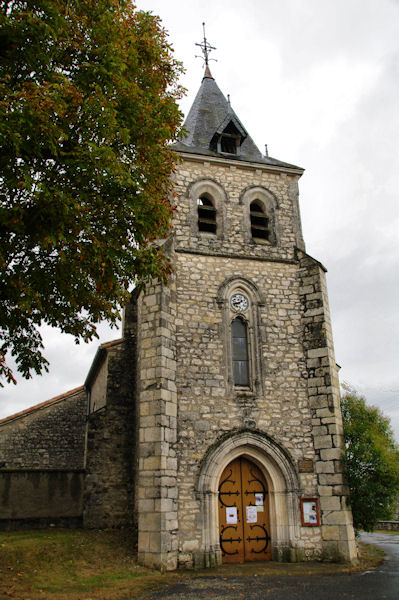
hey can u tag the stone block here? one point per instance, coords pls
(330, 503)
(190, 545)
(346, 533)
(348, 550)
(323, 412)
(152, 434)
(331, 454)
(319, 431)
(325, 467)
(317, 352)
(143, 542)
(313, 363)
(171, 409)
(322, 441)
(330, 532)
(330, 478)
(150, 522)
(317, 382)
(317, 401)
(337, 517)
(338, 441)
(324, 490)
(170, 435)
(330, 419)
(152, 463)
(165, 505)
(146, 505)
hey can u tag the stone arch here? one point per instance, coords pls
(256, 331)
(212, 190)
(283, 484)
(253, 192)
(268, 200)
(239, 280)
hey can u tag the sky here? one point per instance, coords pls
(318, 82)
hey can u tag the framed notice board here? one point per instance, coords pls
(310, 514)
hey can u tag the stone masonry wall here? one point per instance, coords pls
(281, 406)
(208, 407)
(109, 498)
(156, 482)
(234, 237)
(50, 436)
(324, 401)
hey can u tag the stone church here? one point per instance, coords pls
(213, 426)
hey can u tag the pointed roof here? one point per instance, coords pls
(209, 116)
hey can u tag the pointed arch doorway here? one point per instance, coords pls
(244, 523)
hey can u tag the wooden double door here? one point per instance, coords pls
(244, 527)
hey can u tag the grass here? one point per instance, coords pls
(69, 564)
(59, 564)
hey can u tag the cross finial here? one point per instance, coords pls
(206, 48)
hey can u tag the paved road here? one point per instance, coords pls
(379, 584)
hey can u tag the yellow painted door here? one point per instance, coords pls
(244, 528)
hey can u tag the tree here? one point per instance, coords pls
(88, 92)
(371, 461)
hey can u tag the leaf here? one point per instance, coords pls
(88, 108)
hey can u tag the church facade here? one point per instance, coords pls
(213, 426)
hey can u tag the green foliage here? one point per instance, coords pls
(87, 112)
(371, 461)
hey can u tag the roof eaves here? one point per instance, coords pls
(267, 161)
(42, 405)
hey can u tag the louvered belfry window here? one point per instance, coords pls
(259, 222)
(239, 340)
(206, 215)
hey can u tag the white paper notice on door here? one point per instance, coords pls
(231, 515)
(252, 514)
(258, 499)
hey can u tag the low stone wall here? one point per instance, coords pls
(39, 498)
(389, 525)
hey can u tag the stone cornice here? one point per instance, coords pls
(241, 164)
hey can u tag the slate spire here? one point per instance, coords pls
(210, 118)
(212, 127)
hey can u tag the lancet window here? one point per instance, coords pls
(240, 302)
(240, 355)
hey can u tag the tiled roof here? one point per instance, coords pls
(45, 404)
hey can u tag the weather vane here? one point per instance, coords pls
(206, 49)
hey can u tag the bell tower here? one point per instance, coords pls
(236, 375)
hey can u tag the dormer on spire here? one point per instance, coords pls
(229, 136)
